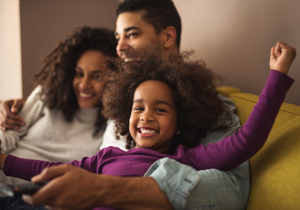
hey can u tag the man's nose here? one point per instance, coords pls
(122, 46)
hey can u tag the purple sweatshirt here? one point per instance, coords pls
(223, 155)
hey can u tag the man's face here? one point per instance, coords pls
(133, 31)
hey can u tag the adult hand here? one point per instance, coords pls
(282, 56)
(8, 118)
(77, 189)
(70, 188)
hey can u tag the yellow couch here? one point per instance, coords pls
(275, 169)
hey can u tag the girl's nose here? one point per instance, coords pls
(147, 117)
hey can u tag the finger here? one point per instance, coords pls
(8, 124)
(278, 49)
(49, 173)
(6, 127)
(17, 104)
(272, 53)
(6, 114)
(52, 208)
(47, 195)
(5, 120)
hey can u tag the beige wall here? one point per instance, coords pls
(234, 37)
(44, 23)
(10, 50)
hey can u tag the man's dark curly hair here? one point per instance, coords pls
(159, 13)
(58, 70)
(197, 101)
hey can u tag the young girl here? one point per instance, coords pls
(62, 115)
(164, 108)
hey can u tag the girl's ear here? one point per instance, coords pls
(169, 37)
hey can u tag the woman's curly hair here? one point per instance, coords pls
(58, 70)
(197, 101)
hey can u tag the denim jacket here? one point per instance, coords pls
(187, 188)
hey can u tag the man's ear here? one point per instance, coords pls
(169, 37)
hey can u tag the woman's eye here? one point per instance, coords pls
(78, 74)
(96, 77)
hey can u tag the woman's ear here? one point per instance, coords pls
(169, 37)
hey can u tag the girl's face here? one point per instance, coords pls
(153, 120)
(87, 88)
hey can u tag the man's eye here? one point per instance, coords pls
(138, 109)
(132, 34)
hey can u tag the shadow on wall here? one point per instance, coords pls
(234, 38)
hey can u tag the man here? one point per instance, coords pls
(168, 184)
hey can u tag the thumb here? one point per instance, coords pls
(50, 173)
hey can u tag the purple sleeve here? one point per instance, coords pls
(235, 149)
(27, 168)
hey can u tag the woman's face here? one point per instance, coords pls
(87, 87)
(153, 120)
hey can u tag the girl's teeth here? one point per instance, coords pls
(148, 131)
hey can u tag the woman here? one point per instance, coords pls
(62, 114)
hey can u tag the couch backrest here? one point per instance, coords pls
(275, 169)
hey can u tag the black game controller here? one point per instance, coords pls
(24, 188)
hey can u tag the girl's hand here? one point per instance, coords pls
(282, 56)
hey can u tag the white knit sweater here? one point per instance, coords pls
(48, 136)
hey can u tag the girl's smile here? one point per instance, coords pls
(153, 120)
(147, 132)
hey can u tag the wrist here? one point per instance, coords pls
(131, 193)
(2, 160)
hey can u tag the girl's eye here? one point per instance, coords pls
(138, 109)
(160, 110)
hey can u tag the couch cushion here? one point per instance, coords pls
(275, 171)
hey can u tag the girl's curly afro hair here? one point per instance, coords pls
(197, 101)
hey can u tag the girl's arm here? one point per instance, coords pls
(235, 149)
(27, 168)
(31, 112)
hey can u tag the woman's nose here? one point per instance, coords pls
(85, 83)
